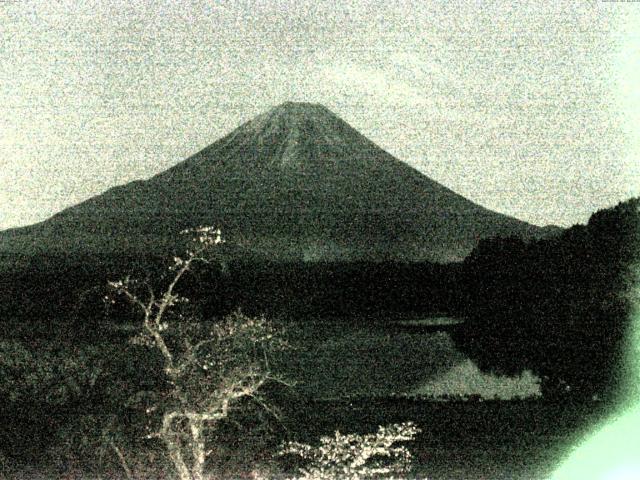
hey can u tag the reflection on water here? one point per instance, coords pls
(431, 322)
(415, 357)
(466, 379)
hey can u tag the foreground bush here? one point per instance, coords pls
(356, 457)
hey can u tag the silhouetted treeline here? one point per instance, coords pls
(558, 306)
(333, 289)
(63, 288)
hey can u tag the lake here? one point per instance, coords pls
(342, 359)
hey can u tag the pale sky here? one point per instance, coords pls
(529, 108)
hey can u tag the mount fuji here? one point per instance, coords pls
(296, 183)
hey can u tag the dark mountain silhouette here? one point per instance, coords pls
(295, 183)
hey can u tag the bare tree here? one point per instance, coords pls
(208, 367)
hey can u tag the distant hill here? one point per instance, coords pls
(295, 183)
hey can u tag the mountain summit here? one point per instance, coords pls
(304, 131)
(294, 183)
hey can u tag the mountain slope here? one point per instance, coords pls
(296, 182)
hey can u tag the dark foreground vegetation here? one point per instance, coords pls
(558, 306)
(520, 439)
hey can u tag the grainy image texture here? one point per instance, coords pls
(319, 240)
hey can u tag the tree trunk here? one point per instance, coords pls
(172, 442)
(178, 461)
(198, 449)
(123, 461)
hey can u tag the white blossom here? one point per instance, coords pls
(351, 456)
